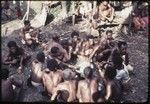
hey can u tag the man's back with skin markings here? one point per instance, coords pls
(70, 86)
(86, 90)
(52, 79)
(36, 71)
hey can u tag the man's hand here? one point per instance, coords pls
(20, 69)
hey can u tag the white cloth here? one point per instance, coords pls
(123, 74)
(82, 63)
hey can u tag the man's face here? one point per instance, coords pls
(109, 35)
(12, 49)
(91, 41)
(105, 3)
(75, 38)
(123, 49)
(28, 25)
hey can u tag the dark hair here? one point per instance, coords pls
(54, 50)
(74, 33)
(89, 37)
(88, 72)
(62, 95)
(52, 64)
(108, 31)
(110, 72)
(5, 73)
(26, 22)
(11, 44)
(40, 57)
(121, 43)
(68, 74)
(55, 38)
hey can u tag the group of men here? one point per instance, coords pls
(94, 69)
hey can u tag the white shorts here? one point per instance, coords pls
(123, 75)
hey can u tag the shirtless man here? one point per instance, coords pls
(54, 41)
(26, 35)
(113, 86)
(52, 76)
(8, 84)
(60, 55)
(35, 78)
(54, 50)
(87, 87)
(107, 40)
(69, 85)
(16, 56)
(106, 11)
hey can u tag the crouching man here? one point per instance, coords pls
(16, 56)
(8, 86)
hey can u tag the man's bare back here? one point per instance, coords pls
(37, 71)
(69, 86)
(86, 89)
(51, 80)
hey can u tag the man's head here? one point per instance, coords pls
(62, 95)
(52, 64)
(56, 38)
(27, 23)
(69, 74)
(75, 35)
(88, 72)
(90, 39)
(110, 72)
(5, 73)
(105, 3)
(65, 43)
(12, 46)
(55, 51)
(109, 34)
(40, 57)
(122, 46)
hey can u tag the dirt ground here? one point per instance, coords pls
(137, 48)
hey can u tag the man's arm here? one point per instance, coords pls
(55, 93)
(78, 91)
(15, 82)
(108, 91)
(126, 59)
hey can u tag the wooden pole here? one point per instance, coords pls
(28, 6)
(73, 9)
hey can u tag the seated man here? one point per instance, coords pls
(35, 78)
(52, 76)
(121, 53)
(113, 87)
(6, 9)
(106, 11)
(16, 56)
(87, 87)
(8, 85)
(69, 85)
(28, 35)
(107, 40)
(60, 55)
(62, 96)
(54, 42)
